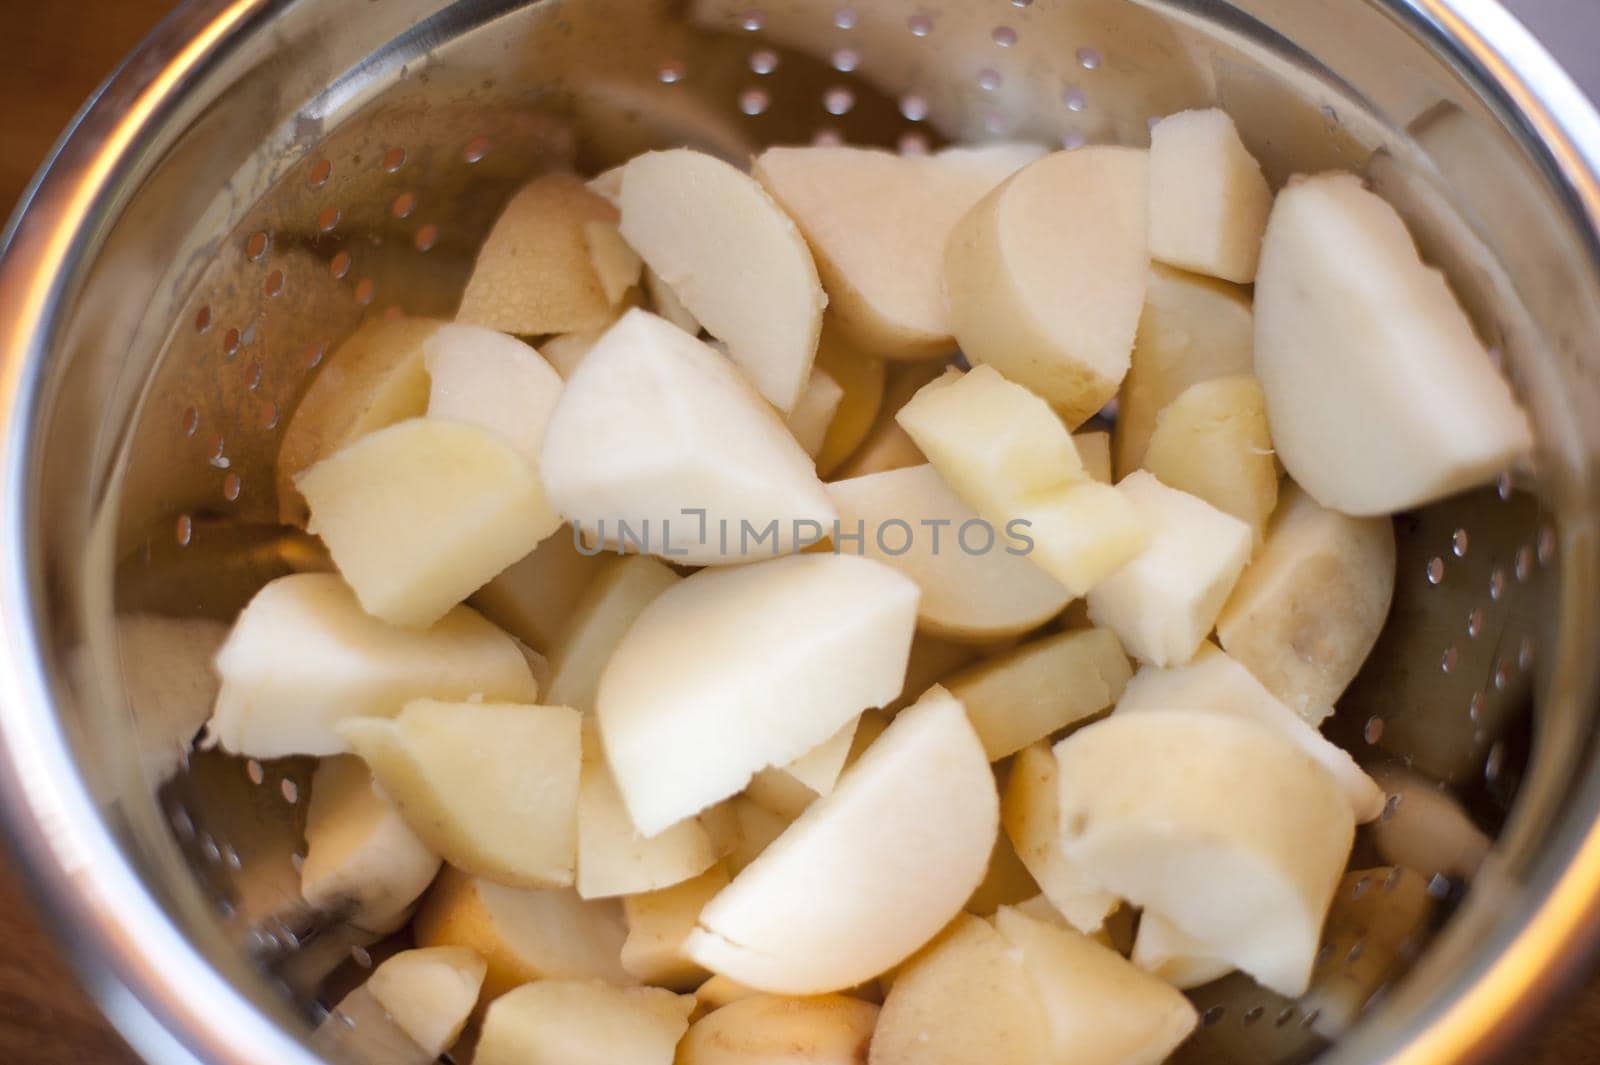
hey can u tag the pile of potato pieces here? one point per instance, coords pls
(820, 798)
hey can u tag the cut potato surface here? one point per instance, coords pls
(601, 617)
(877, 224)
(788, 790)
(615, 264)
(931, 661)
(659, 444)
(420, 515)
(534, 273)
(493, 788)
(659, 923)
(742, 828)
(1380, 394)
(666, 303)
(583, 1022)
(1164, 951)
(731, 671)
(1031, 815)
(1045, 278)
(532, 599)
(565, 353)
(493, 381)
(868, 874)
(429, 993)
(1081, 534)
(303, 656)
(524, 934)
(735, 261)
(1308, 611)
(1007, 881)
(1213, 443)
(1208, 199)
(361, 858)
(814, 410)
(769, 1030)
(861, 379)
(887, 446)
(1165, 601)
(1218, 824)
(1094, 451)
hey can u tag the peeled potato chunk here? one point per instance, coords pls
(1165, 601)
(1030, 812)
(869, 873)
(1213, 443)
(886, 445)
(973, 588)
(742, 828)
(377, 377)
(1099, 1009)
(877, 224)
(565, 353)
(534, 274)
(861, 378)
(658, 438)
(769, 1030)
(788, 790)
(429, 993)
(422, 514)
(304, 655)
(494, 381)
(1007, 881)
(735, 261)
(1218, 824)
(1081, 534)
(1161, 949)
(665, 302)
(966, 1000)
(1307, 612)
(1380, 394)
(1208, 199)
(361, 859)
(1045, 278)
(493, 788)
(615, 264)
(814, 411)
(1094, 451)
(532, 599)
(583, 1022)
(1214, 682)
(731, 671)
(599, 619)
(524, 934)
(1192, 329)
(659, 922)
(1045, 685)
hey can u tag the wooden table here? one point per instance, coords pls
(66, 47)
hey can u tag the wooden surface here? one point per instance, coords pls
(59, 51)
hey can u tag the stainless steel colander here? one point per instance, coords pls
(265, 174)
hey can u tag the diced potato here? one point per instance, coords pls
(862, 377)
(493, 381)
(789, 789)
(964, 1000)
(665, 302)
(524, 934)
(1163, 950)
(377, 377)
(1213, 443)
(612, 602)
(653, 422)
(768, 1030)
(303, 656)
(1380, 918)
(1094, 451)
(361, 859)
(1165, 601)
(1099, 1009)
(582, 1022)
(1218, 824)
(1192, 329)
(534, 274)
(613, 859)
(658, 924)
(973, 587)
(1006, 883)
(491, 787)
(886, 445)
(1218, 684)
(1424, 828)
(734, 259)
(615, 264)
(1208, 199)
(814, 410)
(534, 598)
(1307, 612)
(1080, 535)
(776, 790)
(1031, 815)
(422, 514)
(733, 670)
(868, 874)
(877, 224)
(1045, 278)
(1351, 329)
(429, 993)
(1041, 687)
(742, 828)
(565, 353)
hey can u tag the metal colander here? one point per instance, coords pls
(264, 175)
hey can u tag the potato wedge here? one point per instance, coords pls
(616, 265)
(429, 992)
(492, 381)
(1163, 950)
(658, 924)
(1213, 443)
(582, 1022)
(814, 410)
(769, 1030)
(599, 619)
(1208, 199)
(1030, 813)
(665, 302)
(861, 377)
(887, 446)
(1094, 451)
(1006, 883)
(533, 599)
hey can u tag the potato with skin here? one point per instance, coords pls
(770, 1030)
(1351, 327)
(429, 992)
(861, 378)
(1030, 814)
(491, 787)
(534, 273)
(658, 924)
(303, 656)
(1208, 199)
(734, 259)
(361, 858)
(582, 1022)
(493, 381)
(868, 874)
(1307, 612)
(420, 515)
(597, 623)
(532, 599)
(1045, 278)
(719, 991)
(1213, 443)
